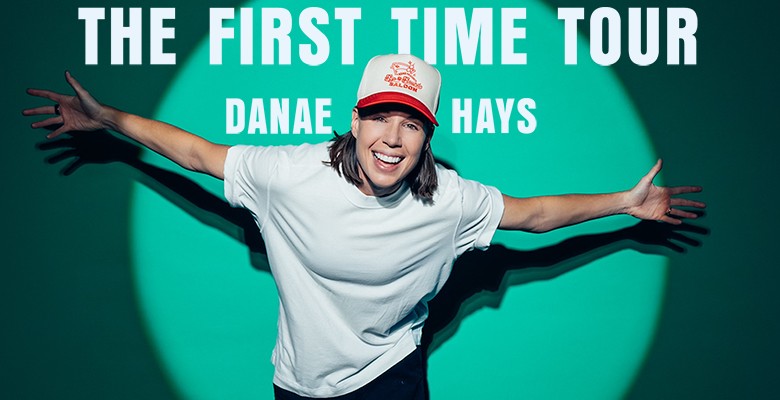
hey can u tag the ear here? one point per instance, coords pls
(355, 122)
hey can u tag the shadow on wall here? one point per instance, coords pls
(479, 278)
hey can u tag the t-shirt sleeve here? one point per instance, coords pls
(248, 173)
(482, 209)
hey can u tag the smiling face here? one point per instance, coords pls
(389, 144)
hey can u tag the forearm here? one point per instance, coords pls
(545, 213)
(185, 149)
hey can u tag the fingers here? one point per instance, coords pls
(669, 220)
(46, 94)
(674, 214)
(687, 203)
(39, 110)
(654, 171)
(75, 84)
(682, 213)
(684, 189)
(47, 122)
(53, 96)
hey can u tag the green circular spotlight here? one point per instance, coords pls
(212, 315)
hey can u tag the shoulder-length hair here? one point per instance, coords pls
(422, 179)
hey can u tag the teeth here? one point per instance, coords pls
(387, 159)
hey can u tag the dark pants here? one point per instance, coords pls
(403, 381)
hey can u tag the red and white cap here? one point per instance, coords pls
(404, 79)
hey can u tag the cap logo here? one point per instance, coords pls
(403, 76)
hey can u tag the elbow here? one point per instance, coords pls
(193, 159)
(530, 226)
(526, 215)
(207, 158)
(539, 223)
(539, 228)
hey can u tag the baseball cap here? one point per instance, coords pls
(404, 79)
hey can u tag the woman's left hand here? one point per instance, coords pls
(651, 202)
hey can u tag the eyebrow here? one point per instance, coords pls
(417, 121)
(414, 118)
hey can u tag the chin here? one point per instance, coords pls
(384, 187)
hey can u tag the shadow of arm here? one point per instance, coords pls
(481, 279)
(101, 147)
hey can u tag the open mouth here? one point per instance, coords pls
(386, 159)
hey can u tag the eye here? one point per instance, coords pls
(379, 118)
(413, 126)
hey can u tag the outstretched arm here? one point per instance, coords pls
(645, 201)
(83, 113)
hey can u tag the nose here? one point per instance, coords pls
(392, 136)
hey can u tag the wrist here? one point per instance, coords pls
(626, 202)
(111, 118)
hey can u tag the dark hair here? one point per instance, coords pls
(422, 179)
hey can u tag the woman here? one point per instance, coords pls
(361, 232)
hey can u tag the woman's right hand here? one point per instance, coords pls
(83, 113)
(72, 113)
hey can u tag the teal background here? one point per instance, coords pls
(71, 324)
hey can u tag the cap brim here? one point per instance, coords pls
(401, 98)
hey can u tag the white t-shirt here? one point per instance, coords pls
(354, 272)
